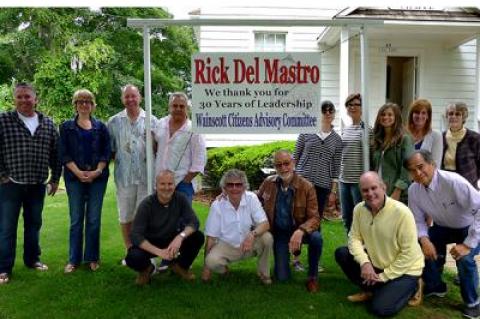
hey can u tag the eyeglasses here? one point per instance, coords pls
(83, 102)
(234, 185)
(283, 164)
(353, 104)
(325, 111)
(452, 113)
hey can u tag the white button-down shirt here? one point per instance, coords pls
(451, 201)
(182, 153)
(129, 145)
(230, 225)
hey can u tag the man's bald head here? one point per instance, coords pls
(372, 188)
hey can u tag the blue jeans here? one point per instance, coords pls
(186, 189)
(85, 201)
(467, 268)
(12, 198)
(349, 197)
(282, 255)
(389, 297)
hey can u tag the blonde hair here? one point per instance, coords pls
(83, 93)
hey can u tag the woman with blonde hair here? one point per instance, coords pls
(390, 147)
(85, 153)
(420, 128)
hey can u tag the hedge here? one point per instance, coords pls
(246, 158)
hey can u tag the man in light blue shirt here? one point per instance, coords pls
(454, 206)
(127, 131)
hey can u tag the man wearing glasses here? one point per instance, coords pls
(291, 205)
(236, 229)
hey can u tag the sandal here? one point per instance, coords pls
(4, 278)
(94, 266)
(69, 268)
(39, 266)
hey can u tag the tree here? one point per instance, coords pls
(65, 49)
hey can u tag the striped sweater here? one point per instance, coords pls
(352, 155)
(318, 160)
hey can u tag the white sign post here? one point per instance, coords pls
(256, 92)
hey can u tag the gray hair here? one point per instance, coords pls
(458, 106)
(234, 173)
(165, 172)
(179, 94)
(425, 154)
(24, 85)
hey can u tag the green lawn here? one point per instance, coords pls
(111, 292)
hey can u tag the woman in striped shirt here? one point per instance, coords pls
(318, 157)
(352, 159)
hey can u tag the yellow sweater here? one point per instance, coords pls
(388, 240)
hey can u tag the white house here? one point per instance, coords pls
(428, 53)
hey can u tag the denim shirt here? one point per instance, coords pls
(72, 148)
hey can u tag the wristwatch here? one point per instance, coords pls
(183, 235)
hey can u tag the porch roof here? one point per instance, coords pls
(451, 27)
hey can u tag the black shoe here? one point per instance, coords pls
(472, 312)
(439, 291)
(456, 281)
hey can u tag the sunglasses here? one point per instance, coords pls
(83, 102)
(234, 185)
(283, 164)
(451, 113)
(331, 111)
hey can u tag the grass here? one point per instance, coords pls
(111, 292)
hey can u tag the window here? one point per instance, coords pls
(270, 42)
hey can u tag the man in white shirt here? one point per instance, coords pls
(178, 148)
(237, 228)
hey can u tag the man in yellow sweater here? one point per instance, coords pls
(383, 256)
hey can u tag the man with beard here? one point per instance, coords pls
(290, 203)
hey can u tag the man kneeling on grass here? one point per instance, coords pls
(156, 232)
(237, 228)
(383, 255)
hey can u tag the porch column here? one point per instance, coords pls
(477, 85)
(345, 120)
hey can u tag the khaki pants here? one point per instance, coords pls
(222, 254)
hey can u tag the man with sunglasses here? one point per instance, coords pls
(236, 229)
(290, 202)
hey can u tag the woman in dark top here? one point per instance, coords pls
(461, 146)
(85, 152)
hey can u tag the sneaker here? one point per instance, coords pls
(472, 312)
(4, 278)
(312, 285)
(417, 298)
(94, 266)
(163, 267)
(69, 268)
(440, 291)
(361, 296)
(39, 266)
(297, 266)
(181, 272)
(266, 280)
(123, 262)
(321, 269)
(144, 276)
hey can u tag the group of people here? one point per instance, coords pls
(397, 235)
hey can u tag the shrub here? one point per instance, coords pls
(247, 158)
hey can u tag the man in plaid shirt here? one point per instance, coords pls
(28, 148)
